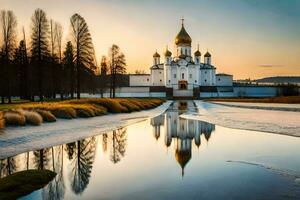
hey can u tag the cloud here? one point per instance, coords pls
(270, 66)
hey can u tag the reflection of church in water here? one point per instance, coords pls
(182, 133)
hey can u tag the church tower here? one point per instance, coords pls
(168, 56)
(183, 42)
(156, 58)
(207, 58)
(197, 56)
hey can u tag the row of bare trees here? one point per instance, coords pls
(45, 69)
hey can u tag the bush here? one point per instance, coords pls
(46, 115)
(113, 106)
(63, 112)
(1, 120)
(84, 111)
(130, 106)
(33, 118)
(14, 118)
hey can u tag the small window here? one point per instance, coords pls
(195, 81)
(191, 75)
(205, 72)
(219, 79)
(186, 52)
(182, 75)
(169, 81)
(160, 80)
(174, 75)
(148, 79)
(160, 72)
(205, 80)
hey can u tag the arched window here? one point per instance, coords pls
(182, 75)
(186, 52)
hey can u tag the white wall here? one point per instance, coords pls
(139, 80)
(223, 80)
(157, 77)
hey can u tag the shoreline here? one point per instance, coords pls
(16, 140)
(36, 113)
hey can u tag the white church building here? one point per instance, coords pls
(182, 73)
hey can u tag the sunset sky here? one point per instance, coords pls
(247, 38)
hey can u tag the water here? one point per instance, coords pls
(168, 157)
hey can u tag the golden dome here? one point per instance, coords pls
(156, 55)
(168, 53)
(183, 157)
(183, 37)
(197, 53)
(207, 54)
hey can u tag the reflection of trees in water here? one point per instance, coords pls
(70, 148)
(118, 146)
(104, 142)
(116, 142)
(7, 166)
(82, 163)
(41, 158)
(56, 188)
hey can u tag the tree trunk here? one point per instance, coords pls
(72, 81)
(78, 81)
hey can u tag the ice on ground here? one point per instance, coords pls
(274, 121)
(264, 106)
(15, 140)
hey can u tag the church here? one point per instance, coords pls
(183, 73)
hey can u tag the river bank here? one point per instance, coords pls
(38, 112)
(14, 140)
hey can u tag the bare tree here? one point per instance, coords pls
(58, 31)
(39, 45)
(53, 58)
(8, 24)
(58, 36)
(83, 47)
(117, 66)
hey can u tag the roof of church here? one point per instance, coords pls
(156, 55)
(207, 54)
(168, 53)
(197, 53)
(183, 37)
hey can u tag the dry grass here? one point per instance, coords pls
(64, 112)
(14, 118)
(36, 113)
(46, 115)
(2, 123)
(285, 99)
(33, 118)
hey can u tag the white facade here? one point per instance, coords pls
(224, 80)
(139, 80)
(184, 71)
(157, 75)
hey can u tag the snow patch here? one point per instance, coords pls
(15, 140)
(273, 121)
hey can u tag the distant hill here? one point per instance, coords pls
(280, 79)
